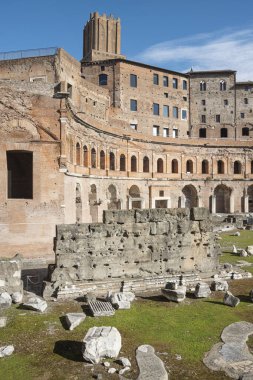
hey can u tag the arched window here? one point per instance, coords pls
(159, 165)
(122, 163)
(112, 161)
(102, 160)
(85, 156)
(202, 85)
(220, 167)
(134, 191)
(93, 158)
(205, 167)
(189, 166)
(237, 167)
(245, 131)
(102, 79)
(133, 164)
(145, 164)
(223, 85)
(202, 132)
(224, 132)
(174, 166)
(78, 154)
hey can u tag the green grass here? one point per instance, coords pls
(45, 350)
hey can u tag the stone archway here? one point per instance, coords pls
(222, 195)
(190, 196)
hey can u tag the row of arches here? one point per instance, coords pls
(219, 202)
(101, 163)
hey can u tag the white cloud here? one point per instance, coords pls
(214, 51)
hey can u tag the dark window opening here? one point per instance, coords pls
(102, 79)
(133, 80)
(20, 175)
(133, 164)
(122, 163)
(78, 154)
(174, 166)
(145, 164)
(85, 156)
(102, 160)
(223, 132)
(112, 161)
(245, 131)
(202, 132)
(237, 167)
(220, 167)
(133, 105)
(203, 118)
(93, 158)
(155, 79)
(161, 193)
(205, 167)
(159, 165)
(189, 166)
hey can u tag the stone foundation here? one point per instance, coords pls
(135, 245)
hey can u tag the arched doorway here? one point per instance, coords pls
(222, 194)
(190, 196)
(114, 202)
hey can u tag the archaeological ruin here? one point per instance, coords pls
(107, 133)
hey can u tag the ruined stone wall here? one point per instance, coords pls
(137, 243)
(244, 108)
(10, 275)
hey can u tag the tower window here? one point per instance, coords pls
(20, 174)
(175, 83)
(202, 132)
(175, 112)
(165, 81)
(223, 132)
(223, 85)
(242, 115)
(102, 79)
(133, 105)
(166, 111)
(184, 85)
(225, 102)
(203, 102)
(246, 101)
(155, 79)
(156, 130)
(202, 86)
(217, 118)
(133, 80)
(203, 118)
(155, 109)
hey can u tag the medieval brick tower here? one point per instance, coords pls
(101, 38)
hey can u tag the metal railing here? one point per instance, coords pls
(28, 53)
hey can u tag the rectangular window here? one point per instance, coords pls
(166, 95)
(246, 101)
(203, 118)
(133, 80)
(155, 109)
(156, 130)
(155, 79)
(166, 111)
(133, 105)
(242, 115)
(165, 132)
(165, 81)
(225, 102)
(175, 112)
(184, 85)
(217, 118)
(175, 83)
(203, 102)
(102, 68)
(185, 98)
(133, 126)
(20, 175)
(161, 193)
(184, 114)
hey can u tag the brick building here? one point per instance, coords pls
(78, 138)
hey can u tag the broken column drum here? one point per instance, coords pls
(137, 244)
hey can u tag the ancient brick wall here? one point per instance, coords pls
(137, 243)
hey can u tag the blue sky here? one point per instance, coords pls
(180, 34)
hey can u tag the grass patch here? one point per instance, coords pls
(45, 350)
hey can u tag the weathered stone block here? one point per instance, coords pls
(199, 213)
